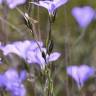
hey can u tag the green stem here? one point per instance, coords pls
(67, 49)
(31, 10)
(49, 34)
(80, 38)
(4, 25)
(48, 88)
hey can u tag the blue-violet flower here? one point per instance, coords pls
(13, 3)
(30, 51)
(36, 57)
(20, 47)
(13, 82)
(83, 15)
(80, 73)
(51, 6)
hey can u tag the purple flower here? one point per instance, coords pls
(80, 73)
(30, 51)
(13, 3)
(13, 83)
(23, 75)
(20, 47)
(2, 80)
(51, 6)
(36, 57)
(83, 15)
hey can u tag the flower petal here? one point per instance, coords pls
(54, 56)
(83, 15)
(59, 3)
(13, 3)
(80, 74)
(73, 72)
(87, 72)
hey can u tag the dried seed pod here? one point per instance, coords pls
(50, 47)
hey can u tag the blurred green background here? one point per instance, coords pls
(65, 32)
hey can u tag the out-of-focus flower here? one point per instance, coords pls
(51, 6)
(2, 80)
(0, 1)
(36, 57)
(13, 3)
(80, 73)
(83, 15)
(20, 47)
(30, 51)
(17, 47)
(13, 83)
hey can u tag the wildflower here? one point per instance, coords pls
(12, 82)
(19, 47)
(83, 15)
(30, 51)
(12, 3)
(51, 6)
(36, 57)
(80, 73)
(2, 80)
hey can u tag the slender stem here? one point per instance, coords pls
(9, 24)
(80, 38)
(67, 50)
(48, 88)
(39, 33)
(32, 8)
(4, 25)
(33, 29)
(49, 34)
(35, 26)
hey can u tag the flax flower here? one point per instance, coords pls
(83, 15)
(12, 3)
(80, 73)
(51, 6)
(12, 82)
